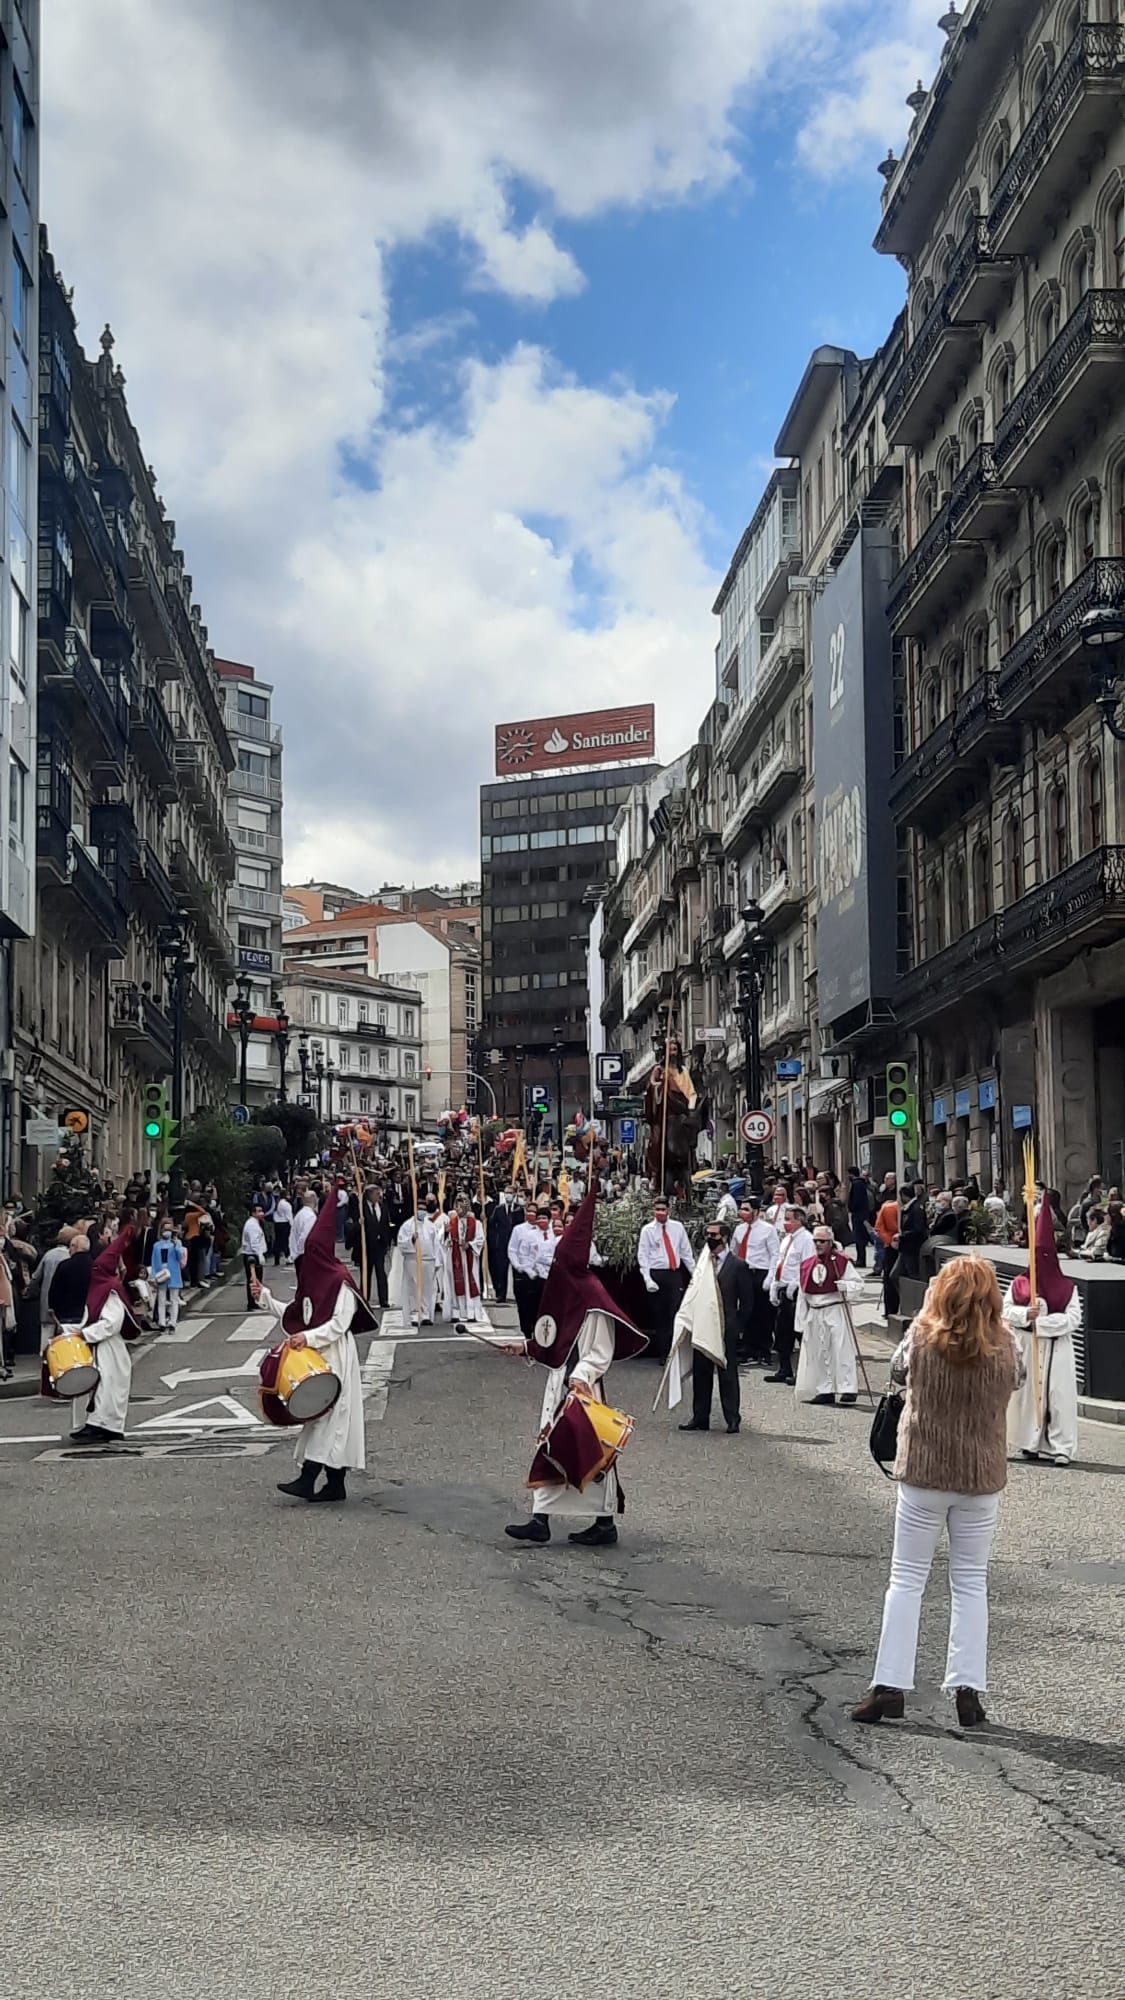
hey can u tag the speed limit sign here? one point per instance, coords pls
(756, 1128)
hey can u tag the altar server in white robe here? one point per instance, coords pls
(463, 1252)
(826, 1370)
(1044, 1425)
(327, 1313)
(430, 1231)
(108, 1316)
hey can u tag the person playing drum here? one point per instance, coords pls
(108, 1317)
(327, 1313)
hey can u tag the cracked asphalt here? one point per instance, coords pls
(253, 1749)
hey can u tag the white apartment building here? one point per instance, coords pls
(355, 1049)
(254, 819)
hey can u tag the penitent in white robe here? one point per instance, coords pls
(595, 1349)
(1052, 1429)
(827, 1363)
(115, 1372)
(404, 1278)
(336, 1439)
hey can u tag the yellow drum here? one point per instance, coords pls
(305, 1384)
(71, 1366)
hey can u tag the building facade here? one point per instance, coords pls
(545, 841)
(254, 817)
(366, 1035)
(131, 762)
(1008, 212)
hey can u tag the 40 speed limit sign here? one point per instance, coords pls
(756, 1128)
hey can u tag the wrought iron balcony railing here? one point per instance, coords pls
(1097, 53)
(1098, 319)
(1031, 660)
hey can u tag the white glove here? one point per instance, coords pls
(651, 1285)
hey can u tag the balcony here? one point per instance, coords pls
(369, 1031)
(149, 606)
(204, 902)
(1041, 423)
(1061, 141)
(217, 836)
(980, 507)
(262, 902)
(742, 824)
(782, 1025)
(780, 776)
(611, 1005)
(204, 1032)
(250, 840)
(713, 929)
(73, 878)
(95, 708)
(939, 357)
(255, 785)
(153, 743)
(954, 758)
(113, 831)
(781, 664)
(139, 1024)
(190, 770)
(1069, 913)
(938, 567)
(645, 916)
(781, 902)
(255, 728)
(774, 593)
(1046, 672)
(978, 278)
(95, 556)
(154, 895)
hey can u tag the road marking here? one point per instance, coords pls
(376, 1378)
(234, 1416)
(178, 1336)
(253, 1327)
(49, 1437)
(228, 1374)
(201, 1447)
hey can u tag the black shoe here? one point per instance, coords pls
(845, 1402)
(537, 1529)
(694, 1426)
(1032, 1457)
(602, 1535)
(86, 1435)
(781, 1375)
(828, 1401)
(970, 1713)
(880, 1704)
(301, 1488)
(733, 1429)
(330, 1493)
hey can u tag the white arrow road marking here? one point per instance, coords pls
(228, 1374)
(178, 1336)
(50, 1437)
(234, 1417)
(253, 1327)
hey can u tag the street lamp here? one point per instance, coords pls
(520, 1112)
(330, 1078)
(281, 1036)
(1103, 636)
(173, 949)
(318, 1073)
(558, 1050)
(303, 1059)
(243, 1009)
(753, 960)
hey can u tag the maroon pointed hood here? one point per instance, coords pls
(1055, 1289)
(322, 1274)
(105, 1279)
(572, 1290)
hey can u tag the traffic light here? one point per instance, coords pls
(155, 1112)
(170, 1145)
(901, 1108)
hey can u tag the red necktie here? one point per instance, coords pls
(672, 1264)
(745, 1244)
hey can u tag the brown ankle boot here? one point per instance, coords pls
(880, 1705)
(970, 1713)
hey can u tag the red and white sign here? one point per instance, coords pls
(602, 736)
(756, 1128)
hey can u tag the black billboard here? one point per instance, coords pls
(853, 746)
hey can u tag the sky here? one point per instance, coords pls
(459, 333)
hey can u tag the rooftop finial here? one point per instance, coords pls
(950, 21)
(888, 166)
(917, 96)
(107, 338)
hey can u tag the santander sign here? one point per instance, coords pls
(600, 736)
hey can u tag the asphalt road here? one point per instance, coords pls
(255, 1750)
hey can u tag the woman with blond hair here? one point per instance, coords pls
(960, 1364)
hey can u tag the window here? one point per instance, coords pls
(19, 469)
(982, 882)
(382, 1062)
(381, 1015)
(1085, 534)
(978, 652)
(364, 1010)
(1058, 828)
(1052, 574)
(18, 637)
(935, 918)
(17, 799)
(345, 1100)
(408, 1020)
(1012, 853)
(253, 704)
(251, 875)
(365, 1100)
(410, 1108)
(343, 1011)
(1093, 805)
(315, 1010)
(958, 899)
(20, 302)
(1009, 617)
(345, 1056)
(1046, 325)
(251, 761)
(409, 1066)
(364, 1062)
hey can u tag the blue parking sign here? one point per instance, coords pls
(628, 1130)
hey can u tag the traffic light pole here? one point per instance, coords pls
(175, 1173)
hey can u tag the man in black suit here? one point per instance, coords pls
(737, 1298)
(503, 1215)
(377, 1231)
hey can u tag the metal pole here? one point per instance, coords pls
(175, 1174)
(559, 1092)
(244, 1045)
(756, 1157)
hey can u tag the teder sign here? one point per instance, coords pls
(603, 736)
(853, 734)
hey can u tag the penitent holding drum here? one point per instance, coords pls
(323, 1319)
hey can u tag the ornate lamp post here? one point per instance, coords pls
(318, 1072)
(173, 948)
(558, 1050)
(1103, 636)
(303, 1059)
(281, 1036)
(244, 1010)
(753, 961)
(330, 1078)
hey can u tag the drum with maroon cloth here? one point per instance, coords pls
(297, 1385)
(69, 1366)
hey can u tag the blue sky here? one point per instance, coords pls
(459, 336)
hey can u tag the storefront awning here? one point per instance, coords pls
(825, 1095)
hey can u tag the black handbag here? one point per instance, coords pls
(884, 1430)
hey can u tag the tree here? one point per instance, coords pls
(297, 1124)
(71, 1194)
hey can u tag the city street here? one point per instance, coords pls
(256, 1749)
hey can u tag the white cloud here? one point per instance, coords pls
(853, 125)
(530, 552)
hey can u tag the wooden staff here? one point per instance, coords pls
(664, 1106)
(417, 1222)
(1032, 1287)
(362, 1218)
(483, 1217)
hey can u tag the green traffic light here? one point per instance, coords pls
(900, 1120)
(152, 1128)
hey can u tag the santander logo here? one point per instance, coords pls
(556, 744)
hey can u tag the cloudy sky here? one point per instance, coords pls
(459, 332)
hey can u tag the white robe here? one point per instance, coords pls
(115, 1372)
(458, 1305)
(336, 1439)
(827, 1363)
(1052, 1429)
(405, 1275)
(595, 1346)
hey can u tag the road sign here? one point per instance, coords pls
(43, 1133)
(628, 1132)
(625, 1107)
(610, 1071)
(76, 1121)
(240, 1114)
(789, 1070)
(756, 1128)
(538, 1093)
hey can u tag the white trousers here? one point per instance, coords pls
(167, 1306)
(920, 1517)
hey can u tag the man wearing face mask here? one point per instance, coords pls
(732, 1280)
(501, 1223)
(166, 1269)
(428, 1231)
(826, 1371)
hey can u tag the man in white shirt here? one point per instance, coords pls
(727, 1208)
(756, 1244)
(666, 1261)
(282, 1225)
(253, 1253)
(530, 1251)
(796, 1246)
(299, 1233)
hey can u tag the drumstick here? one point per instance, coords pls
(497, 1346)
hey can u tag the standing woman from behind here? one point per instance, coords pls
(960, 1365)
